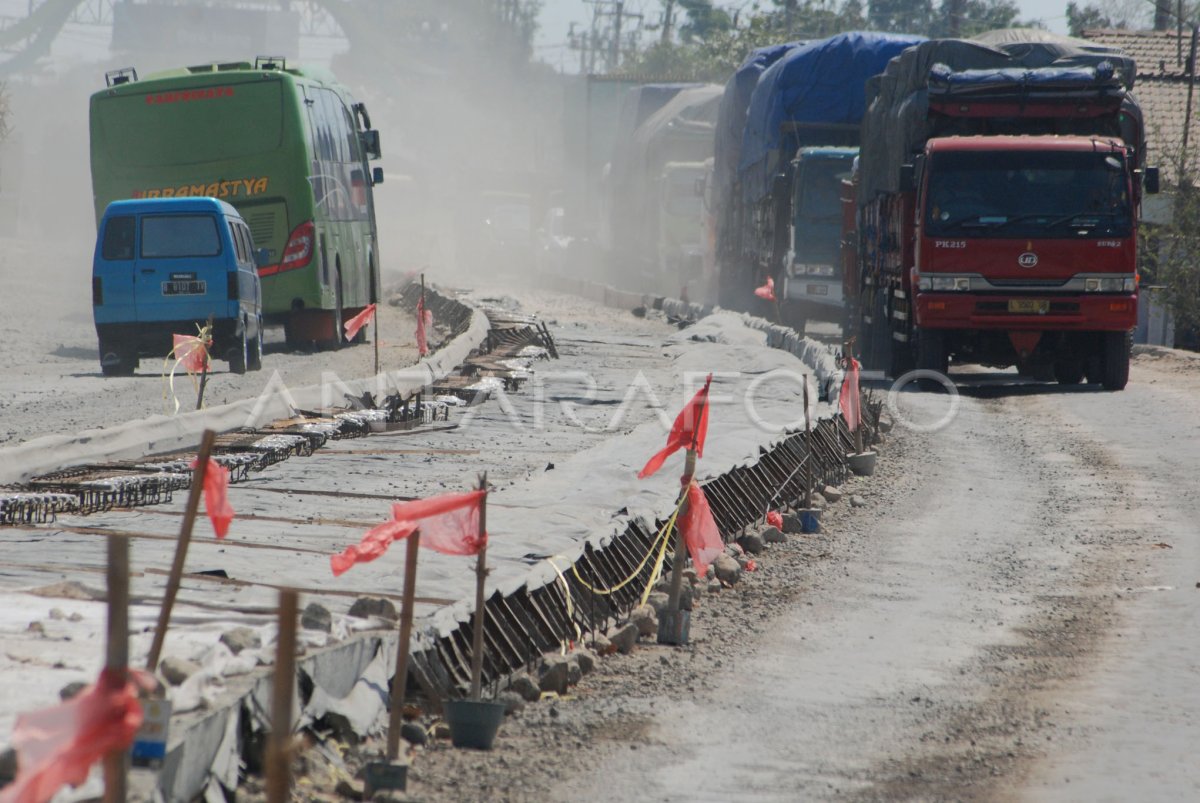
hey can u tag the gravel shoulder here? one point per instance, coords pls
(1002, 618)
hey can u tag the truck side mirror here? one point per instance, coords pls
(376, 176)
(1150, 181)
(262, 257)
(370, 142)
(908, 178)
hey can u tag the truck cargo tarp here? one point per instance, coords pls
(897, 122)
(821, 82)
(731, 116)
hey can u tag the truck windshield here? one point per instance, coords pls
(1059, 194)
(816, 224)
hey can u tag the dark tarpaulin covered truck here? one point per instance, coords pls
(731, 121)
(998, 193)
(681, 131)
(811, 95)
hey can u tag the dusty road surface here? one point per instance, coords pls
(1013, 615)
(1007, 612)
(50, 381)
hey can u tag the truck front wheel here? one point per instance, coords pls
(1117, 348)
(931, 351)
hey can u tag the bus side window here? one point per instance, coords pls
(351, 137)
(118, 238)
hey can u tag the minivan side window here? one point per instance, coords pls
(165, 236)
(247, 242)
(235, 234)
(118, 238)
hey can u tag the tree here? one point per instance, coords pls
(1134, 14)
(901, 16)
(966, 18)
(1085, 19)
(703, 20)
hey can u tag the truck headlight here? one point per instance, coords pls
(949, 283)
(1110, 284)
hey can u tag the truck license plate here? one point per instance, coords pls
(1029, 306)
(185, 288)
(818, 290)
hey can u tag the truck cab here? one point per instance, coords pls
(813, 274)
(1026, 247)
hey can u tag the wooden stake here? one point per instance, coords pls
(808, 479)
(400, 679)
(279, 776)
(116, 764)
(376, 338)
(857, 432)
(480, 577)
(181, 548)
(676, 590)
(204, 372)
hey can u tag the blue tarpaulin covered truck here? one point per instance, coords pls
(810, 95)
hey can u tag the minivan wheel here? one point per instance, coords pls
(255, 357)
(117, 361)
(113, 364)
(238, 355)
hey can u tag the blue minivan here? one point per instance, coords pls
(164, 265)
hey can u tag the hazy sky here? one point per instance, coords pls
(557, 15)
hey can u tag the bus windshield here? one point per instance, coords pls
(1015, 194)
(179, 127)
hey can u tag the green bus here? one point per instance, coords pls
(288, 148)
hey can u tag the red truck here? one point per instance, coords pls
(993, 216)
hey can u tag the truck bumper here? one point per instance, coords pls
(814, 296)
(1109, 312)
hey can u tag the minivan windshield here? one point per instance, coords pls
(1014, 194)
(172, 236)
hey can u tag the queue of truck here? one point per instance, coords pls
(966, 200)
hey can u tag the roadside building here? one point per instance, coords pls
(1165, 89)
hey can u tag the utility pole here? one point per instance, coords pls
(614, 57)
(955, 9)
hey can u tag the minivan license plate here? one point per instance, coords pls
(1029, 306)
(185, 288)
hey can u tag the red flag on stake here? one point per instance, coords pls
(848, 399)
(359, 321)
(688, 431)
(767, 291)
(449, 523)
(191, 352)
(373, 545)
(216, 496)
(57, 746)
(424, 322)
(699, 530)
